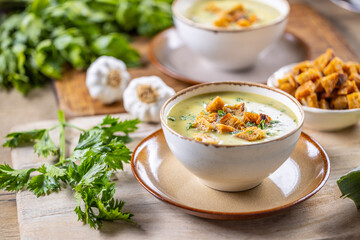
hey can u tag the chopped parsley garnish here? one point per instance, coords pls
(239, 99)
(282, 110)
(189, 125)
(270, 134)
(188, 117)
(262, 124)
(249, 124)
(171, 119)
(221, 113)
(250, 131)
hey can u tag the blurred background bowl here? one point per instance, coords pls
(317, 118)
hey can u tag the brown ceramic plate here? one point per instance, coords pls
(170, 55)
(300, 177)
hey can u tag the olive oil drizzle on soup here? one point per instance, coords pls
(198, 13)
(182, 116)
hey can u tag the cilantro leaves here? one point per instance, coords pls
(100, 152)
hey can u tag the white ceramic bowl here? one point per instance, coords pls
(229, 49)
(232, 167)
(317, 118)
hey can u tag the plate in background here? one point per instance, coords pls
(171, 56)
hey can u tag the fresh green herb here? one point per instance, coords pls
(212, 98)
(249, 131)
(282, 110)
(188, 117)
(189, 125)
(99, 153)
(171, 119)
(262, 124)
(250, 124)
(349, 186)
(48, 36)
(270, 134)
(239, 99)
(274, 121)
(221, 113)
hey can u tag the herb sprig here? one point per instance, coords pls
(99, 153)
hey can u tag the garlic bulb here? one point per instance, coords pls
(144, 97)
(106, 79)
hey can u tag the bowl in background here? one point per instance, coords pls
(229, 49)
(232, 167)
(317, 118)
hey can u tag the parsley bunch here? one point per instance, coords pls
(99, 153)
(50, 35)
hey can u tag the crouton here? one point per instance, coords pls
(302, 67)
(251, 117)
(312, 100)
(212, 117)
(236, 110)
(202, 124)
(351, 68)
(215, 105)
(311, 74)
(221, 128)
(324, 104)
(329, 82)
(356, 79)
(335, 66)
(205, 138)
(221, 22)
(287, 87)
(232, 121)
(354, 100)
(318, 87)
(347, 88)
(340, 102)
(212, 7)
(305, 90)
(243, 22)
(264, 117)
(251, 134)
(323, 60)
(253, 18)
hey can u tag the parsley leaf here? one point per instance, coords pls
(349, 186)
(46, 146)
(14, 180)
(221, 113)
(18, 139)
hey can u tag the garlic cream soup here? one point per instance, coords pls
(207, 13)
(181, 117)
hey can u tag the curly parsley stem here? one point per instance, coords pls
(75, 127)
(62, 125)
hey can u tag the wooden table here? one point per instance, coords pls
(41, 105)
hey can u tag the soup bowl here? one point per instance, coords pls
(232, 167)
(229, 49)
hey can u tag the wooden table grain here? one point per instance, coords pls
(41, 105)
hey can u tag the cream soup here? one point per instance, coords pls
(225, 118)
(231, 14)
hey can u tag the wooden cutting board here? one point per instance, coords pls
(323, 216)
(314, 31)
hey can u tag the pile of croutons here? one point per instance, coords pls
(229, 119)
(237, 15)
(327, 82)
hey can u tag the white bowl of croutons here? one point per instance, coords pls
(327, 88)
(231, 135)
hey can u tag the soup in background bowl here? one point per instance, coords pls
(232, 163)
(230, 47)
(231, 14)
